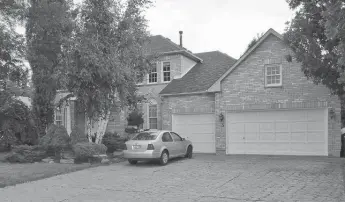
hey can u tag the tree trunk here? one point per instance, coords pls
(89, 129)
(102, 126)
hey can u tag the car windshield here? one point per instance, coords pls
(146, 136)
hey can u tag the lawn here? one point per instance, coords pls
(11, 174)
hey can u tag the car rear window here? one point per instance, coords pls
(146, 136)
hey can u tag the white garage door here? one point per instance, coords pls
(283, 132)
(200, 129)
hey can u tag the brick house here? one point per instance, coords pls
(259, 104)
(262, 104)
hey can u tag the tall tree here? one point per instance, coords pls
(48, 26)
(317, 37)
(106, 57)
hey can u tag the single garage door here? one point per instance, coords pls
(283, 132)
(199, 128)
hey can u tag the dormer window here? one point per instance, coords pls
(166, 72)
(153, 75)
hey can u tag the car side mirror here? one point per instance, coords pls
(183, 139)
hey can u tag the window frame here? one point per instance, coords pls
(162, 75)
(173, 133)
(148, 75)
(280, 74)
(172, 140)
(59, 113)
(152, 117)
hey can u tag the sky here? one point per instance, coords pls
(208, 25)
(224, 25)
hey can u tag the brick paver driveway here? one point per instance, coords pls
(203, 178)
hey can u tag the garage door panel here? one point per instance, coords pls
(236, 127)
(282, 127)
(283, 137)
(298, 137)
(266, 127)
(297, 127)
(250, 136)
(267, 136)
(290, 132)
(199, 128)
(251, 127)
(316, 137)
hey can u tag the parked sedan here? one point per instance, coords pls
(159, 145)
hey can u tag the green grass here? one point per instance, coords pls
(11, 174)
(15, 173)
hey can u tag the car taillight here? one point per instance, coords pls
(150, 147)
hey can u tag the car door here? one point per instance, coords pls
(178, 144)
(168, 142)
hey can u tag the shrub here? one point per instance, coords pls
(135, 118)
(77, 136)
(26, 154)
(86, 150)
(16, 124)
(113, 141)
(55, 140)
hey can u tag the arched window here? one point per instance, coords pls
(153, 114)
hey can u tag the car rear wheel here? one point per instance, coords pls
(189, 153)
(133, 162)
(164, 158)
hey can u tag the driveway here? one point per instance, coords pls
(203, 178)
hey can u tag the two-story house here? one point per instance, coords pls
(258, 104)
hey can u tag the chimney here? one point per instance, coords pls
(181, 32)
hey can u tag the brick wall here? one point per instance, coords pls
(246, 86)
(185, 104)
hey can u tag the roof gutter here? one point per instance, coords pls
(187, 93)
(183, 52)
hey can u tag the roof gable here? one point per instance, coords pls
(216, 85)
(159, 45)
(202, 75)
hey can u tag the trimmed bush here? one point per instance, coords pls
(77, 136)
(55, 140)
(113, 141)
(26, 154)
(86, 150)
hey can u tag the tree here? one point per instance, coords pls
(135, 118)
(254, 41)
(48, 25)
(106, 56)
(316, 36)
(15, 117)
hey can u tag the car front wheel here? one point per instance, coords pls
(164, 158)
(133, 162)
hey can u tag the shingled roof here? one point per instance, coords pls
(160, 44)
(202, 75)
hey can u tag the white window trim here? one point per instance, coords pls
(65, 118)
(148, 113)
(281, 76)
(148, 76)
(162, 72)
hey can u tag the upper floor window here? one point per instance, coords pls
(153, 75)
(273, 75)
(166, 72)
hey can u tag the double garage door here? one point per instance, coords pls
(199, 128)
(283, 132)
(280, 132)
